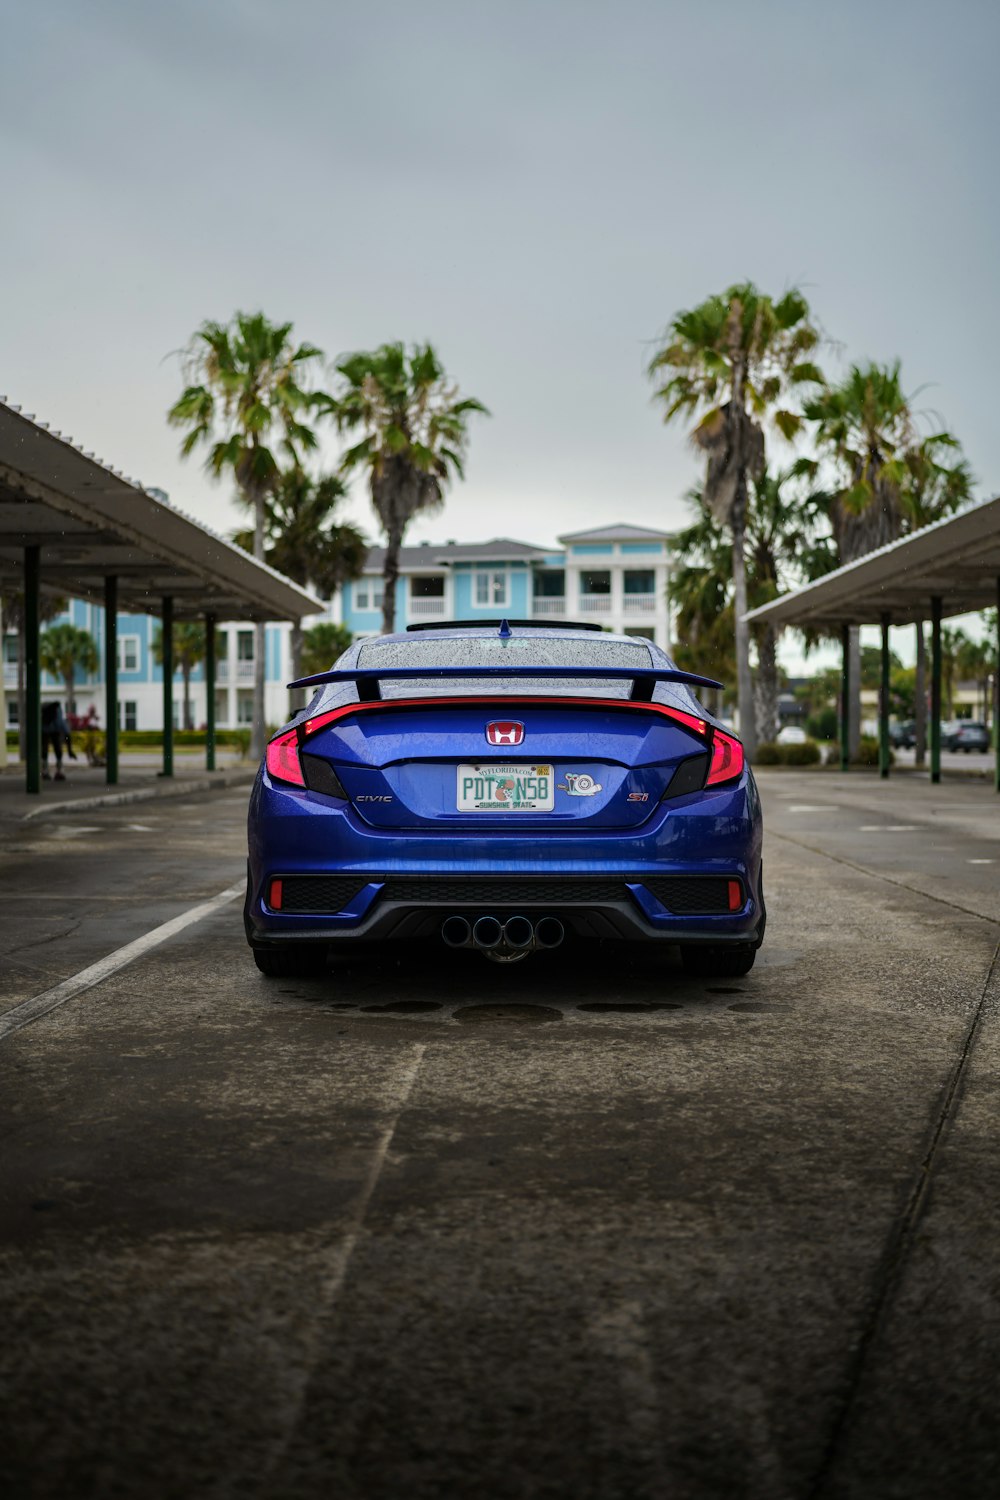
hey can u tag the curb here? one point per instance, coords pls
(142, 794)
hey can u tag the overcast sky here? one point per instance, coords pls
(535, 187)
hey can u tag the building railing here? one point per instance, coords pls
(638, 604)
(10, 674)
(238, 671)
(595, 604)
(426, 606)
(548, 604)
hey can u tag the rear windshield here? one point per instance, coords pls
(492, 651)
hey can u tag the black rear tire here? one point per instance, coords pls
(721, 962)
(290, 963)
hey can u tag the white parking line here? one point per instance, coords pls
(40, 1005)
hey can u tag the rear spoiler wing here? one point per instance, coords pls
(643, 679)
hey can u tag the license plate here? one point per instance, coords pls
(493, 788)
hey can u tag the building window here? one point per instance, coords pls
(10, 650)
(128, 713)
(550, 584)
(427, 586)
(128, 653)
(222, 709)
(595, 583)
(639, 581)
(244, 707)
(369, 593)
(11, 713)
(244, 645)
(491, 589)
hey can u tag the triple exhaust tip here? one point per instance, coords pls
(517, 934)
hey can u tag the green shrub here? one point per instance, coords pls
(867, 752)
(808, 754)
(768, 754)
(823, 725)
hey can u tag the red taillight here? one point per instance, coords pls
(275, 895)
(735, 896)
(727, 759)
(282, 758)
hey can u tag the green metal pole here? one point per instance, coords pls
(883, 704)
(111, 678)
(935, 725)
(210, 692)
(32, 730)
(167, 654)
(845, 698)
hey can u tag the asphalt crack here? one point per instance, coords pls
(840, 859)
(892, 1263)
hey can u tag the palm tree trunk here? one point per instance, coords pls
(766, 686)
(854, 706)
(297, 696)
(186, 675)
(258, 729)
(920, 698)
(69, 683)
(390, 573)
(744, 680)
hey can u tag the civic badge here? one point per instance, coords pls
(505, 732)
(580, 784)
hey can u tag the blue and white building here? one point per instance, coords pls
(616, 576)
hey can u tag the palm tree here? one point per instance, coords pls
(188, 645)
(732, 360)
(65, 650)
(700, 590)
(934, 488)
(303, 542)
(778, 532)
(890, 480)
(322, 644)
(245, 399)
(414, 434)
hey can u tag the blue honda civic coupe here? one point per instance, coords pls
(504, 786)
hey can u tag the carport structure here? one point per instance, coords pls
(72, 525)
(949, 568)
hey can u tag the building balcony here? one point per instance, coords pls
(233, 671)
(425, 607)
(548, 604)
(639, 604)
(595, 604)
(10, 674)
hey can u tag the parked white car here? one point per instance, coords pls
(791, 734)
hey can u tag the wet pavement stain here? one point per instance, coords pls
(506, 1015)
(602, 1005)
(405, 1007)
(758, 1007)
(715, 990)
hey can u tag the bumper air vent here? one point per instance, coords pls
(691, 895)
(318, 893)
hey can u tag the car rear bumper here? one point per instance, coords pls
(393, 886)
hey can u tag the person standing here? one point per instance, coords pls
(55, 734)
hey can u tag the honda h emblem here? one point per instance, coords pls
(505, 732)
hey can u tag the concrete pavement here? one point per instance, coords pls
(584, 1227)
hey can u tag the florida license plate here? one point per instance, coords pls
(494, 788)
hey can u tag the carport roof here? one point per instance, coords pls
(91, 521)
(956, 560)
